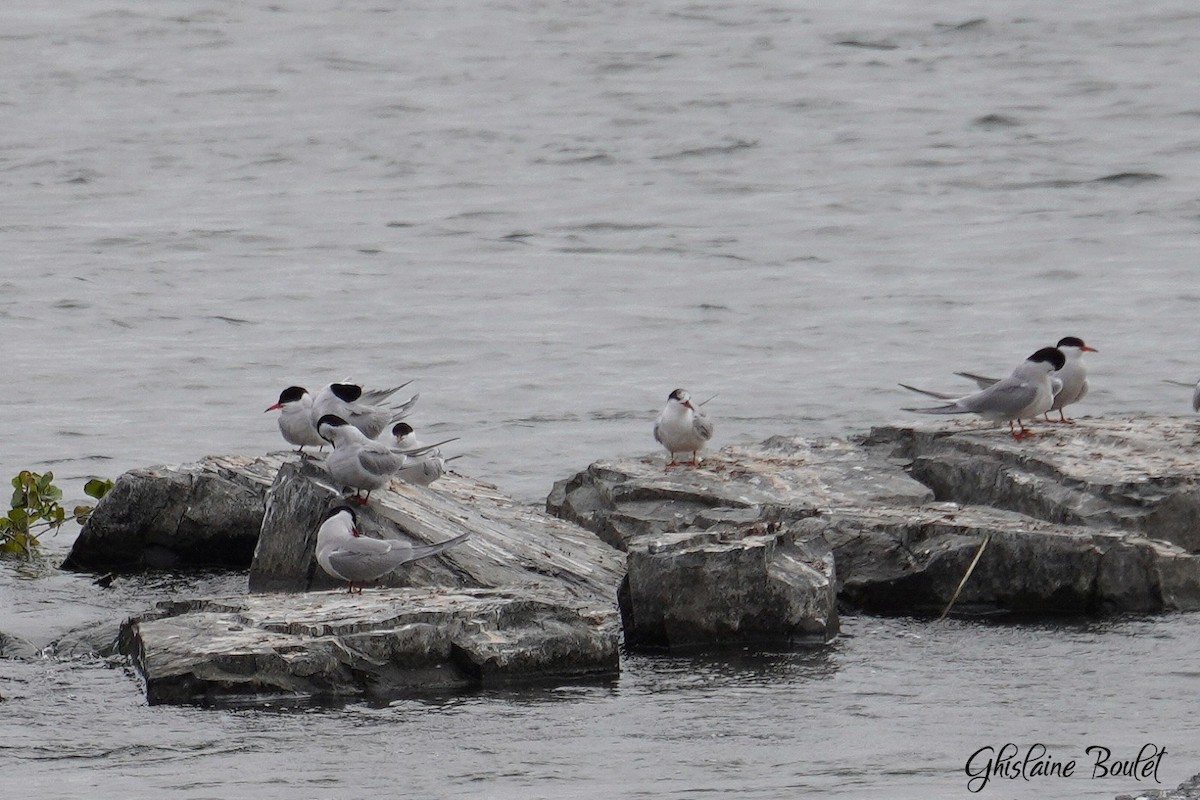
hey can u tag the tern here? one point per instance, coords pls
(422, 470)
(362, 409)
(346, 554)
(361, 463)
(1024, 394)
(1073, 376)
(295, 418)
(682, 427)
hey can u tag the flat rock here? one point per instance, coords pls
(1135, 475)
(526, 597)
(906, 510)
(380, 645)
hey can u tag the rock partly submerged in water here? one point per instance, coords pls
(199, 516)
(525, 598)
(906, 510)
(757, 547)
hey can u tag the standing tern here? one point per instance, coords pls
(1024, 394)
(295, 418)
(682, 427)
(361, 463)
(346, 554)
(1073, 376)
(362, 409)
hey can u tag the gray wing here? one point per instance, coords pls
(703, 426)
(374, 397)
(1196, 398)
(1008, 397)
(982, 381)
(378, 459)
(426, 550)
(363, 559)
(935, 395)
(658, 423)
(401, 411)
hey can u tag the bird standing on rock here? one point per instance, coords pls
(295, 418)
(682, 427)
(1026, 393)
(362, 409)
(362, 463)
(344, 553)
(1072, 376)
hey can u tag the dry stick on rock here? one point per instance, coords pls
(963, 582)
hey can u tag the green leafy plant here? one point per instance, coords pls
(35, 505)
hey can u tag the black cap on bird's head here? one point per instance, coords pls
(292, 394)
(401, 429)
(332, 420)
(288, 395)
(1075, 341)
(346, 392)
(1049, 355)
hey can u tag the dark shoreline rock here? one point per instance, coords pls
(199, 516)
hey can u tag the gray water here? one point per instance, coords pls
(549, 215)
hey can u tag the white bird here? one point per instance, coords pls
(1024, 394)
(344, 553)
(1072, 376)
(295, 418)
(682, 427)
(362, 409)
(406, 438)
(422, 470)
(361, 463)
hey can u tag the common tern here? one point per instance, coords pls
(295, 418)
(682, 427)
(1024, 394)
(1072, 375)
(361, 463)
(406, 438)
(421, 470)
(364, 410)
(346, 554)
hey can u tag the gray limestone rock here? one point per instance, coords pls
(1082, 519)
(1135, 475)
(323, 646)
(526, 597)
(199, 516)
(723, 588)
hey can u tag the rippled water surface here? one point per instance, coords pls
(549, 215)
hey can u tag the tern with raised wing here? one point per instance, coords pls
(365, 410)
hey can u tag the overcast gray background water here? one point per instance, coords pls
(549, 215)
